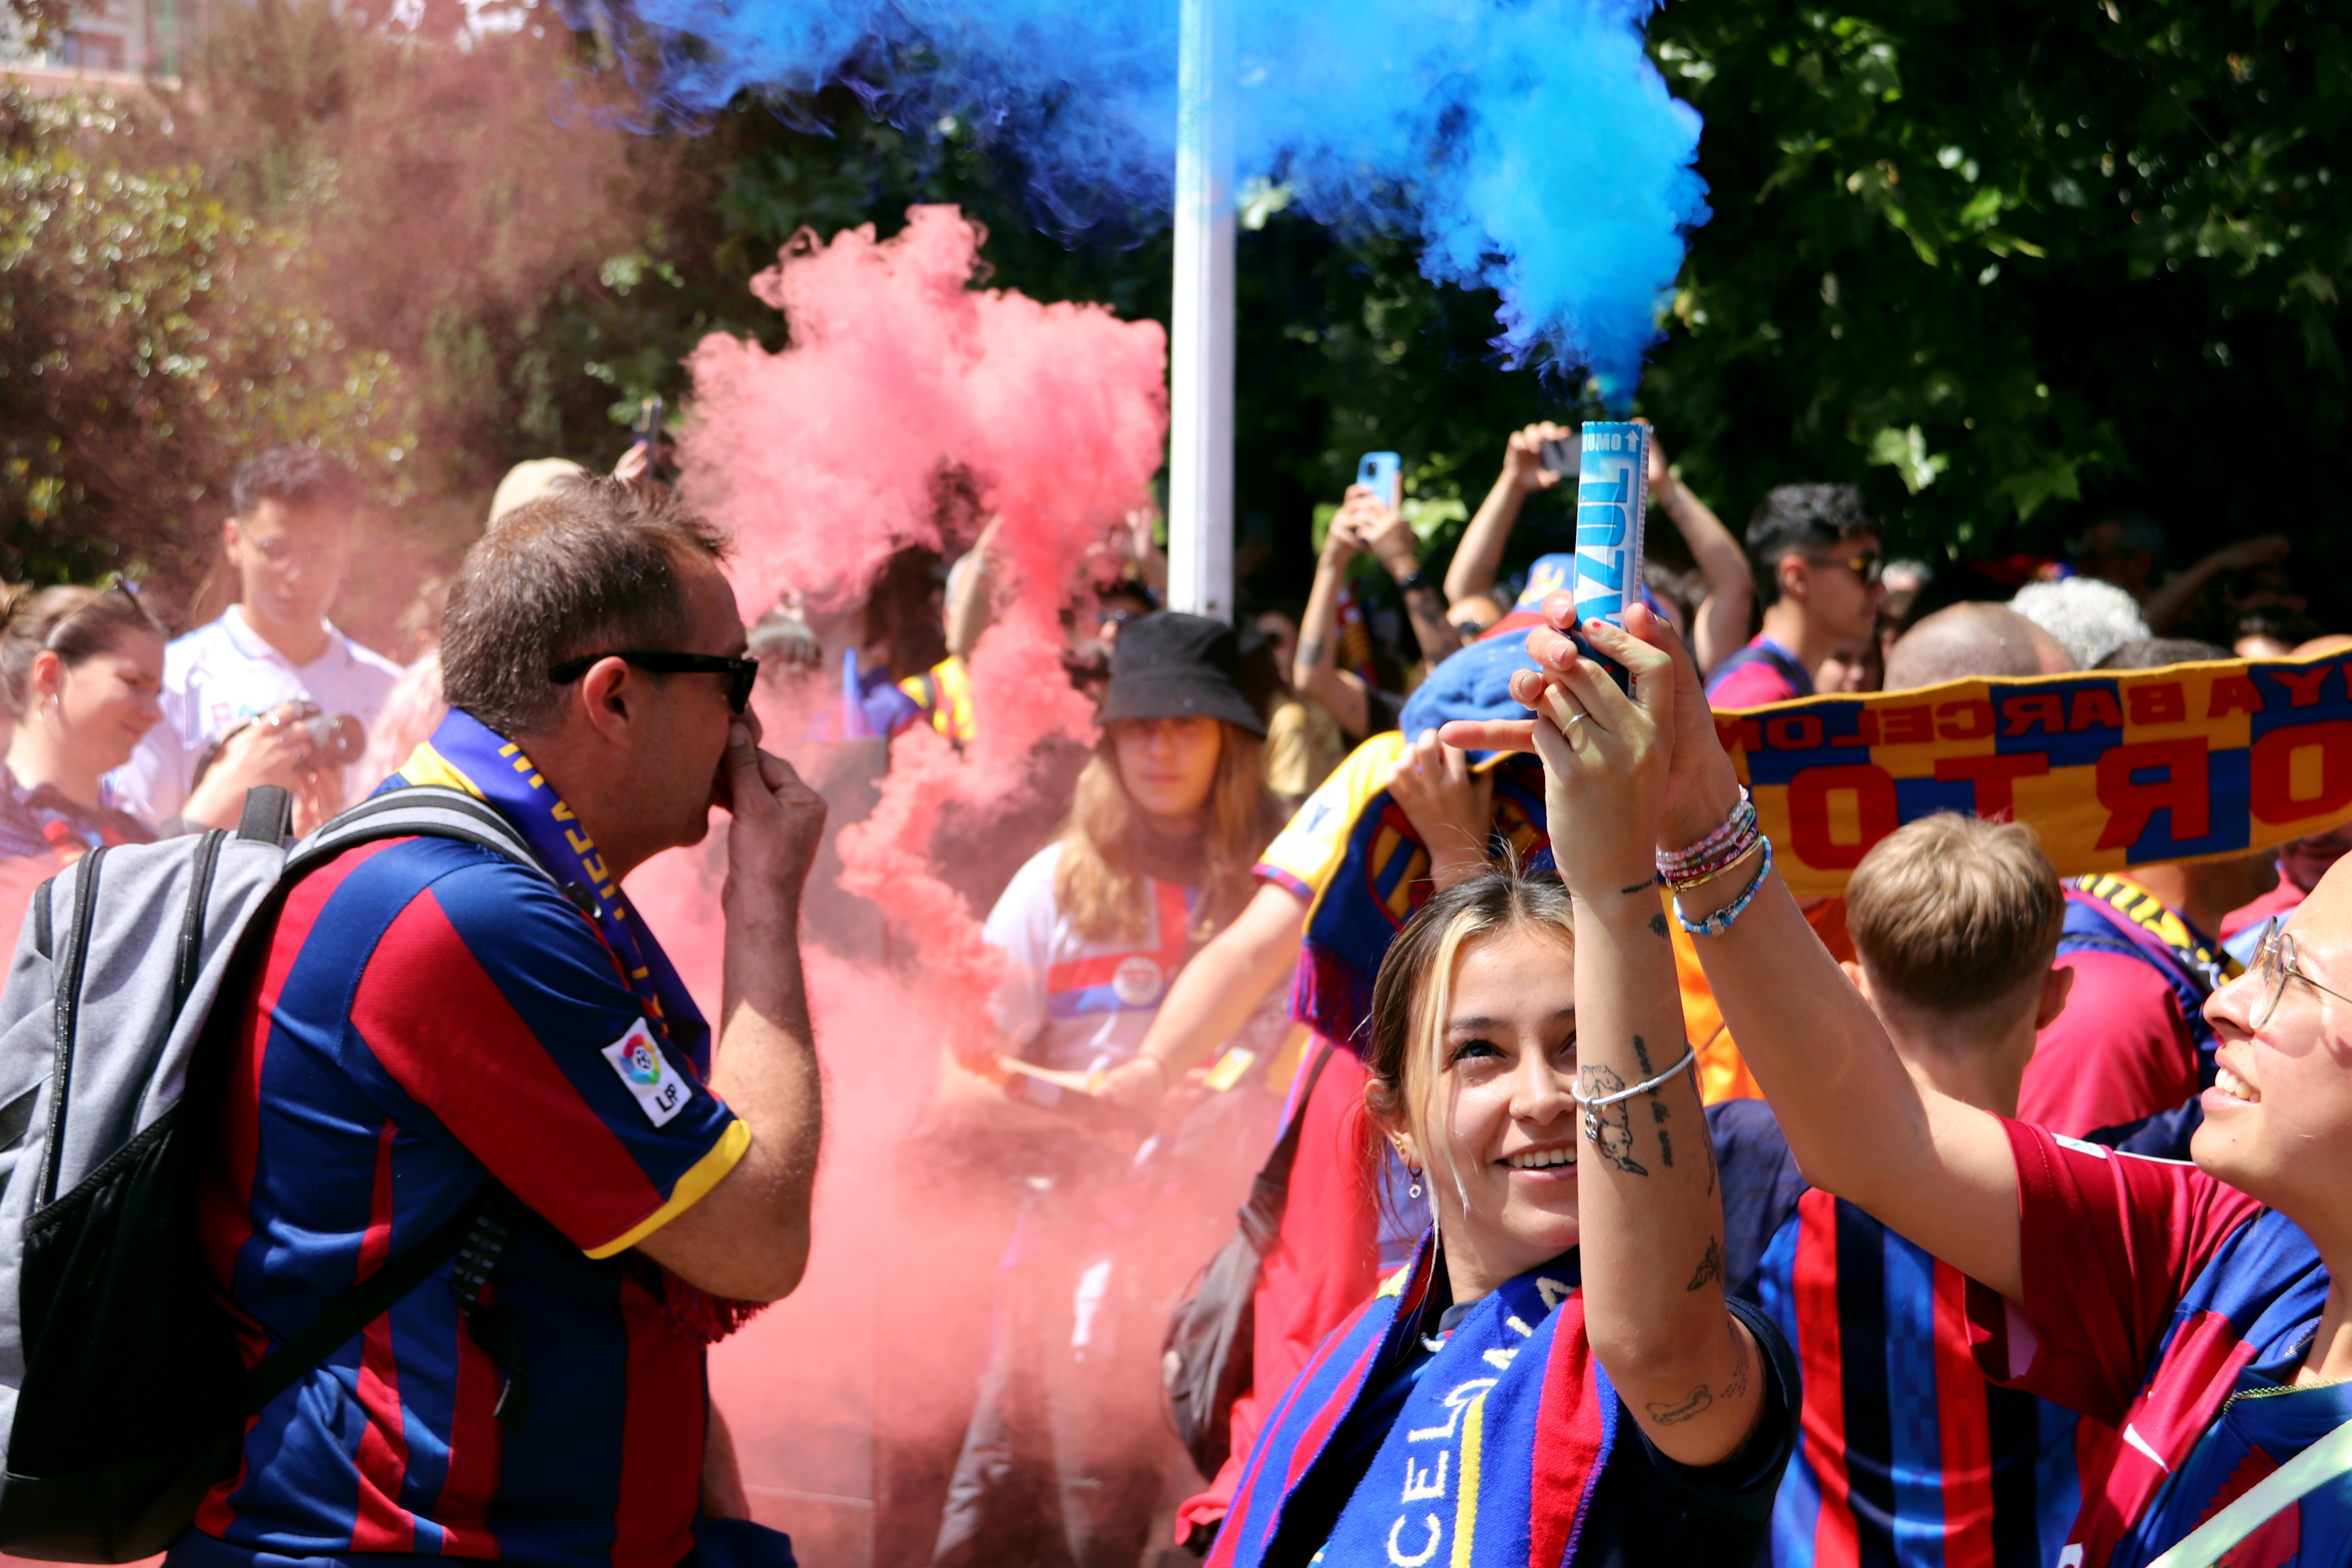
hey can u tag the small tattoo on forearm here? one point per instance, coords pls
(1658, 925)
(1669, 1414)
(1710, 1268)
(1642, 1055)
(1610, 1128)
(1637, 888)
(1666, 1147)
(1311, 650)
(1738, 1383)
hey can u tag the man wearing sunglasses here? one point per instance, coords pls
(1816, 558)
(436, 1021)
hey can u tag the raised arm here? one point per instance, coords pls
(1314, 672)
(1388, 536)
(2171, 599)
(1480, 555)
(972, 592)
(1720, 626)
(1932, 1169)
(1649, 1218)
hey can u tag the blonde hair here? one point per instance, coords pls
(1414, 992)
(1953, 913)
(1098, 883)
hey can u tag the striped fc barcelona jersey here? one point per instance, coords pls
(430, 1015)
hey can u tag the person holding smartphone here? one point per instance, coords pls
(1541, 456)
(1366, 522)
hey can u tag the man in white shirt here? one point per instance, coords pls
(289, 544)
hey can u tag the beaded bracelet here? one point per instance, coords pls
(1721, 920)
(1673, 863)
(1724, 868)
(1696, 870)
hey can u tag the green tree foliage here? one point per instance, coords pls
(140, 334)
(2007, 265)
(2013, 264)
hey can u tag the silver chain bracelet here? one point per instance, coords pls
(1594, 1107)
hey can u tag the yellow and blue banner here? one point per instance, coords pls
(2192, 762)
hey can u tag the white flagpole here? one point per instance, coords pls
(1201, 345)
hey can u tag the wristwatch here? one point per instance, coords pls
(1419, 579)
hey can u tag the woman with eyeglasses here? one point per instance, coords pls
(2198, 1309)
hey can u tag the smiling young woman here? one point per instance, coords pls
(1557, 1376)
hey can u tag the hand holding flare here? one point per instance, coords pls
(1700, 785)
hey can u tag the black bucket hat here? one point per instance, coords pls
(1170, 665)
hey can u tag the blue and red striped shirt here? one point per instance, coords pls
(1906, 1456)
(430, 1016)
(2176, 1310)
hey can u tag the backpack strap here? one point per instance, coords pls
(414, 811)
(1270, 1190)
(2308, 1471)
(268, 815)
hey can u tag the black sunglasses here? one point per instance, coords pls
(740, 673)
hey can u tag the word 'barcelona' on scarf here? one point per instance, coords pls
(466, 754)
(1492, 1459)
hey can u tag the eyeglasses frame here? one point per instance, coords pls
(2277, 945)
(742, 672)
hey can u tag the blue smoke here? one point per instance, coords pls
(1529, 145)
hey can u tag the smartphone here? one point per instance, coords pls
(649, 428)
(1383, 474)
(1563, 458)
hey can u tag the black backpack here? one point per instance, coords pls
(122, 1397)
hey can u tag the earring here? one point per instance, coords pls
(1415, 1191)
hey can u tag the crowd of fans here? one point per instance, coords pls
(1772, 1301)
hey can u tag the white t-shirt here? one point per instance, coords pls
(1074, 1003)
(220, 675)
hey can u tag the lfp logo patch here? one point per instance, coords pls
(659, 1091)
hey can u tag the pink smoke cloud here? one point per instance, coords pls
(822, 457)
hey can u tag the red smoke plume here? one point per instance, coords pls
(824, 460)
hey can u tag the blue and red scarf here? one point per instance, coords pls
(1492, 1459)
(466, 754)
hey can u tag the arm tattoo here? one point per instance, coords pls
(1658, 1112)
(1709, 1268)
(1738, 1383)
(1669, 1414)
(1709, 1144)
(1637, 888)
(1658, 925)
(1311, 650)
(1610, 1127)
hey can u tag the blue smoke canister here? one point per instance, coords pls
(1613, 494)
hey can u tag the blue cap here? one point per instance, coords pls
(1473, 684)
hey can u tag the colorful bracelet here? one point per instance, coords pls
(1599, 1102)
(1696, 870)
(1673, 863)
(1730, 864)
(1721, 920)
